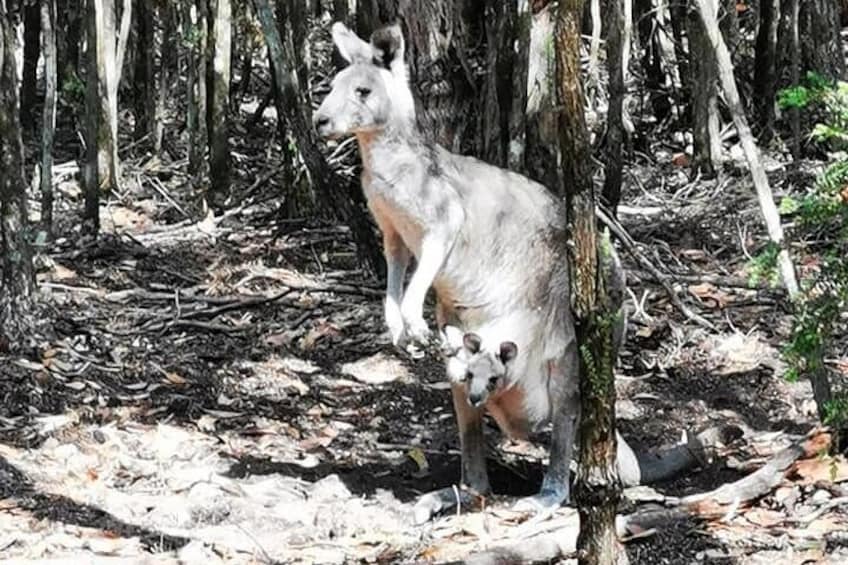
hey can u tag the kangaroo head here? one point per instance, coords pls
(482, 370)
(373, 91)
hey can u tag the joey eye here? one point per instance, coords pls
(363, 92)
(493, 381)
(468, 376)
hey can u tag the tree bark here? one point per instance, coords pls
(196, 32)
(702, 87)
(652, 63)
(48, 32)
(144, 96)
(219, 102)
(794, 74)
(168, 66)
(501, 20)
(334, 199)
(598, 488)
(102, 100)
(97, 133)
(541, 146)
(617, 42)
(32, 48)
(765, 67)
(17, 283)
(594, 48)
(821, 51)
(706, 9)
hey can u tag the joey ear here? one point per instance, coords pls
(472, 342)
(508, 351)
(387, 45)
(350, 45)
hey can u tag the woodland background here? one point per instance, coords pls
(192, 359)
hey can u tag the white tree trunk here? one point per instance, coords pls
(707, 10)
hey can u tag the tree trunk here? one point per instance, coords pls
(821, 51)
(794, 74)
(702, 87)
(69, 20)
(598, 488)
(542, 151)
(168, 65)
(96, 126)
(48, 126)
(617, 42)
(144, 96)
(102, 99)
(765, 67)
(196, 29)
(17, 283)
(32, 48)
(333, 198)
(652, 64)
(501, 20)
(707, 11)
(219, 103)
(729, 22)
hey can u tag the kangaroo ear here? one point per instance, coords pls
(350, 45)
(508, 351)
(387, 45)
(472, 342)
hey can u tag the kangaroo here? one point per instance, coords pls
(485, 362)
(490, 242)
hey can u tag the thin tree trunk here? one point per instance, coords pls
(168, 61)
(617, 43)
(329, 185)
(144, 71)
(104, 74)
(652, 63)
(794, 75)
(594, 47)
(821, 50)
(219, 104)
(765, 67)
(706, 8)
(501, 18)
(32, 23)
(196, 32)
(97, 133)
(598, 488)
(541, 145)
(48, 126)
(17, 283)
(705, 125)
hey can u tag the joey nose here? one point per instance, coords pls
(476, 400)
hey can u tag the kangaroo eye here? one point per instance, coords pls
(363, 92)
(468, 376)
(493, 381)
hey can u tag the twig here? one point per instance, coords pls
(827, 506)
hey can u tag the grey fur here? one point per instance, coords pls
(489, 241)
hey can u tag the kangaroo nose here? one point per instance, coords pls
(475, 400)
(321, 122)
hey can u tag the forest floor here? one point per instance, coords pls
(223, 391)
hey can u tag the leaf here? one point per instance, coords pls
(710, 295)
(420, 459)
(826, 469)
(75, 385)
(175, 379)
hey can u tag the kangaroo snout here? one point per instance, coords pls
(476, 399)
(322, 124)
